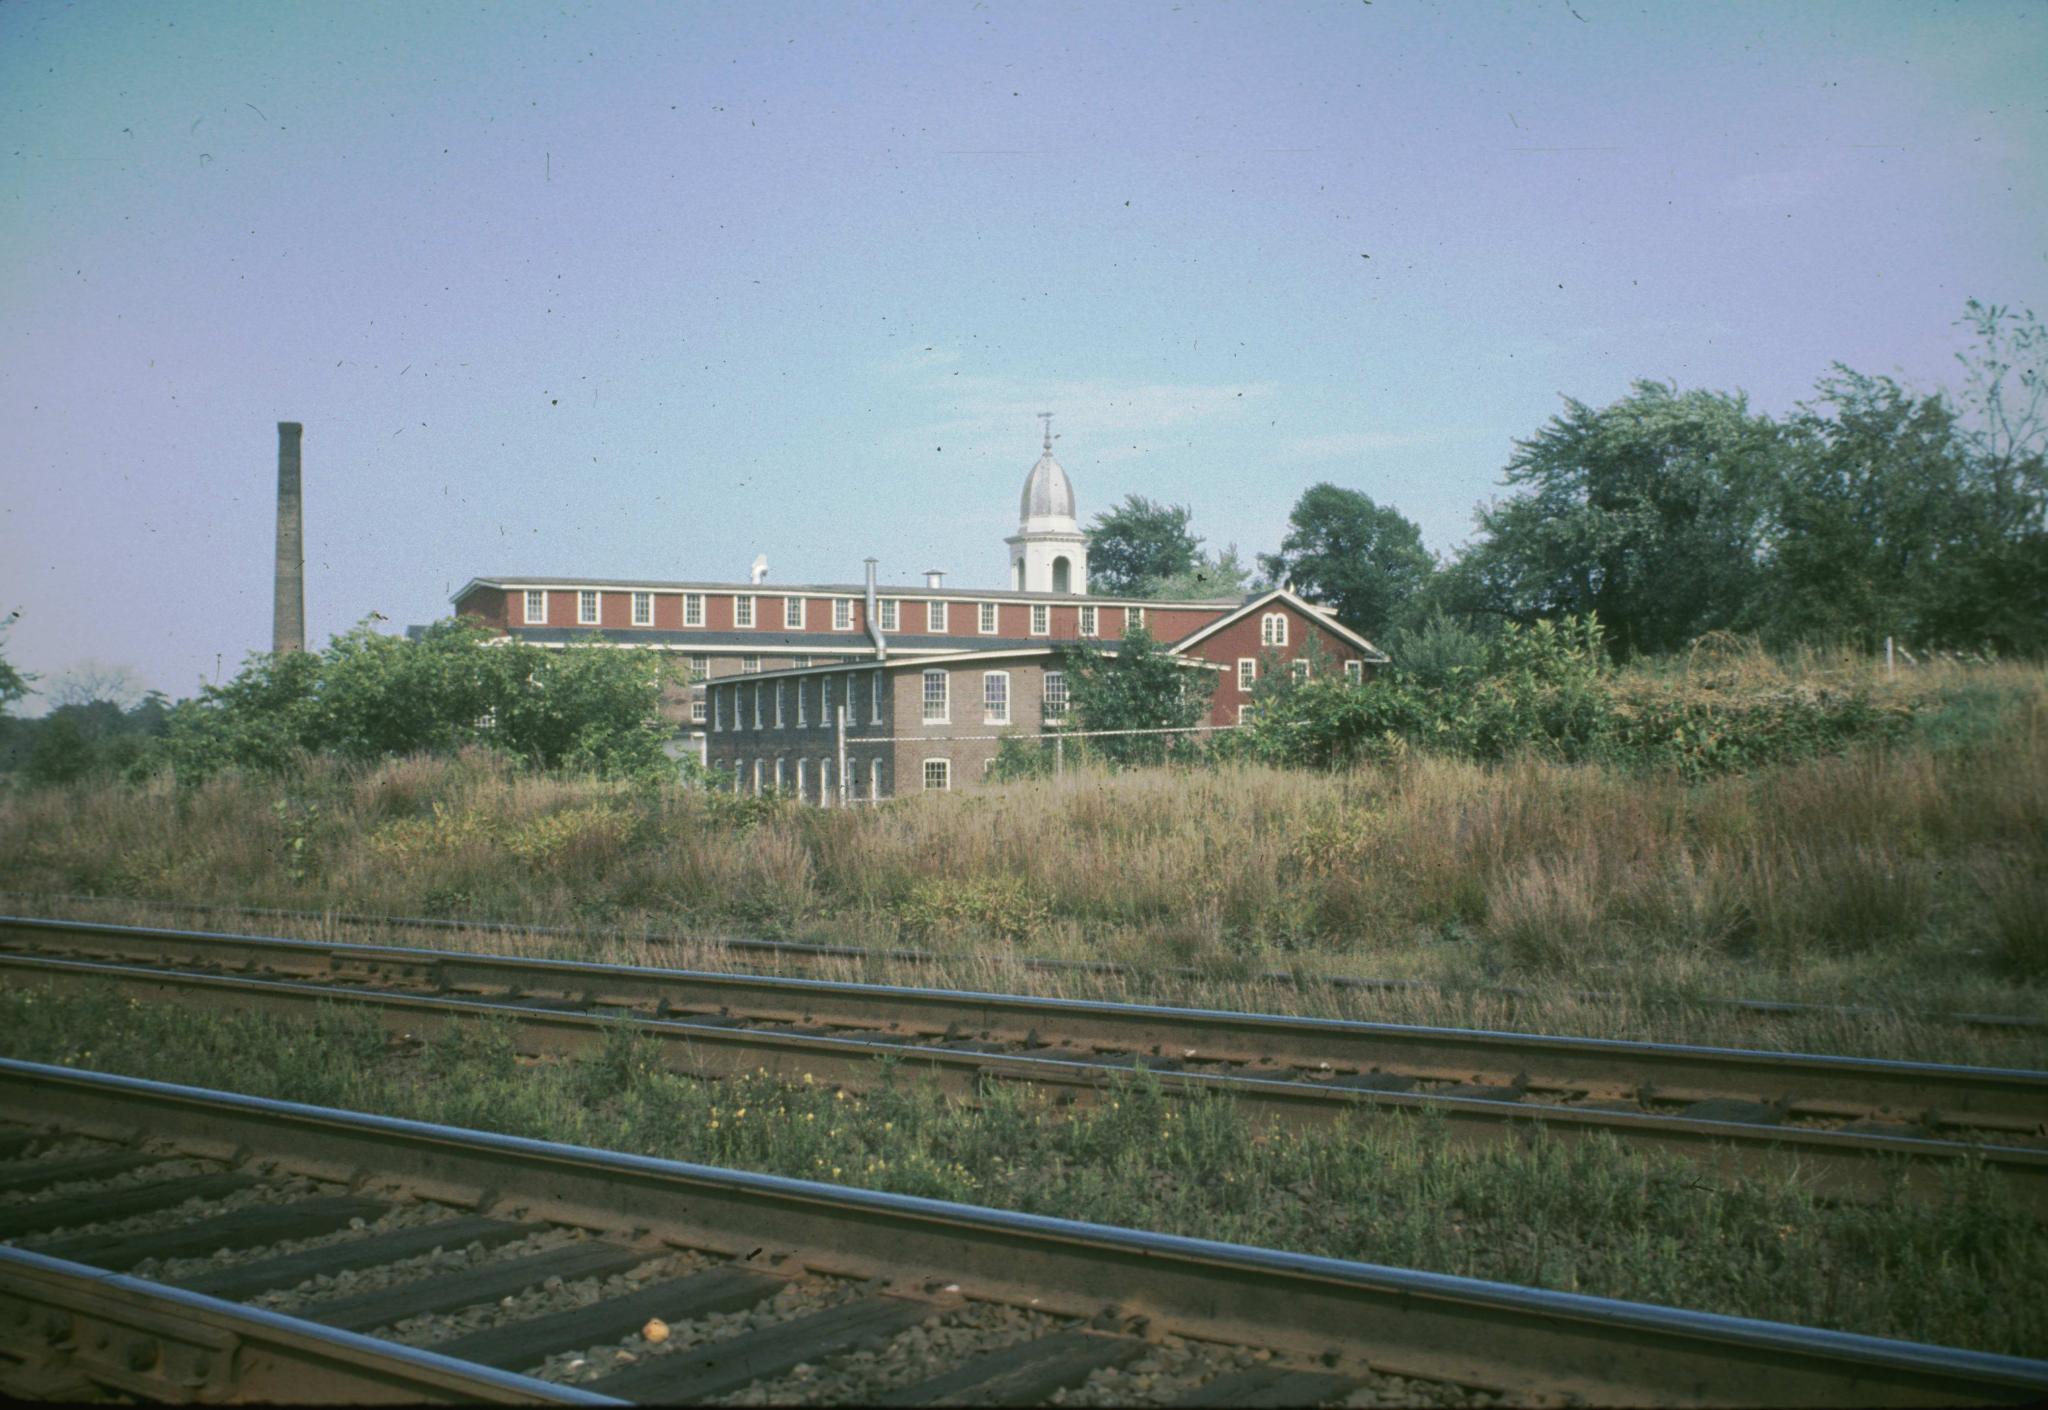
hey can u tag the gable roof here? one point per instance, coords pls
(1309, 610)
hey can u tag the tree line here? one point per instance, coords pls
(1871, 511)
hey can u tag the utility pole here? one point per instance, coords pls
(839, 729)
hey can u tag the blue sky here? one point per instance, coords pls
(641, 291)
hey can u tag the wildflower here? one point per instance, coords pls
(810, 1081)
(713, 1125)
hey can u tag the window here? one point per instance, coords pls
(1087, 621)
(697, 711)
(1247, 713)
(536, 606)
(700, 668)
(782, 773)
(781, 698)
(890, 612)
(988, 619)
(760, 774)
(875, 778)
(1041, 619)
(743, 611)
(1055, 695)
(842, 614)
(586, 608)
(824, 702)
(800, 662)
(935, 711)
(938, 775)
(643, 609)
(875, 696)
(1133, 617)
(803, 777)
(825, 782)
(757, 704)
(1247, 672)
(1354, 672)
(793, 613)
(717, 711)
(802, 717)
(693, 609)
(1298, 668)
(995, 697)
(935, 616)
(750, 665)
(1273, 629)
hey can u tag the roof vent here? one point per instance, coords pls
(760, 568)
(934, 578)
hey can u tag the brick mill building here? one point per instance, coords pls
(915, 669)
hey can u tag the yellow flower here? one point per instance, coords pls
(714, 1125)
(810, 1081)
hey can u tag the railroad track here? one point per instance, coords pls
(1733, 1110)
(173, 1243)
(794, 954)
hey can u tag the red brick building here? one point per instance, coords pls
(915, 668)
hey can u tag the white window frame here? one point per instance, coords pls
(750, 665)
(824, 702)
(842, 614)
(536, 597)
(995, 697)
(801, 770)
(875, 698)
(593, 600)
(743, 609)
(697, 711)
(987, 619)
(1088, 622)
(700, 668)
(1041, 619)
(757, 704)
(718, 712)
(1247, 713)
(1354, 672)
(793, 614)
(1053, 702)
(802, 709)
(944, 702)
(640, 600)
(781, 695)
(1298, 668)
(1247, 672)
(875, 779)
(892, 613)
(693, 609)
(781, 772)
(1133, 617)
(942, 770)
(1273, 629)
(935, 617)
(760, 777)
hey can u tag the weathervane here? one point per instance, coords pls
(1046, 417)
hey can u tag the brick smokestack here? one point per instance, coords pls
(288, 621)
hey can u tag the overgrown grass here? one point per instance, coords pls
(1961, 1268)
(1903, 876)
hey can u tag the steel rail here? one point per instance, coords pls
(805, 952)
(1840, 1163)
(1804, 1084)
(1348, 1314)
(71, 1328)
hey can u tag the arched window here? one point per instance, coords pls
(1062, 574)
(1273, 629)
(760, 772)
(802, 778)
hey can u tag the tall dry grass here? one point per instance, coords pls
(1909, 875)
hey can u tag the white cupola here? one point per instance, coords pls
(1048, 553)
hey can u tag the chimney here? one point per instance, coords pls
(288, 615)
(934, 578)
